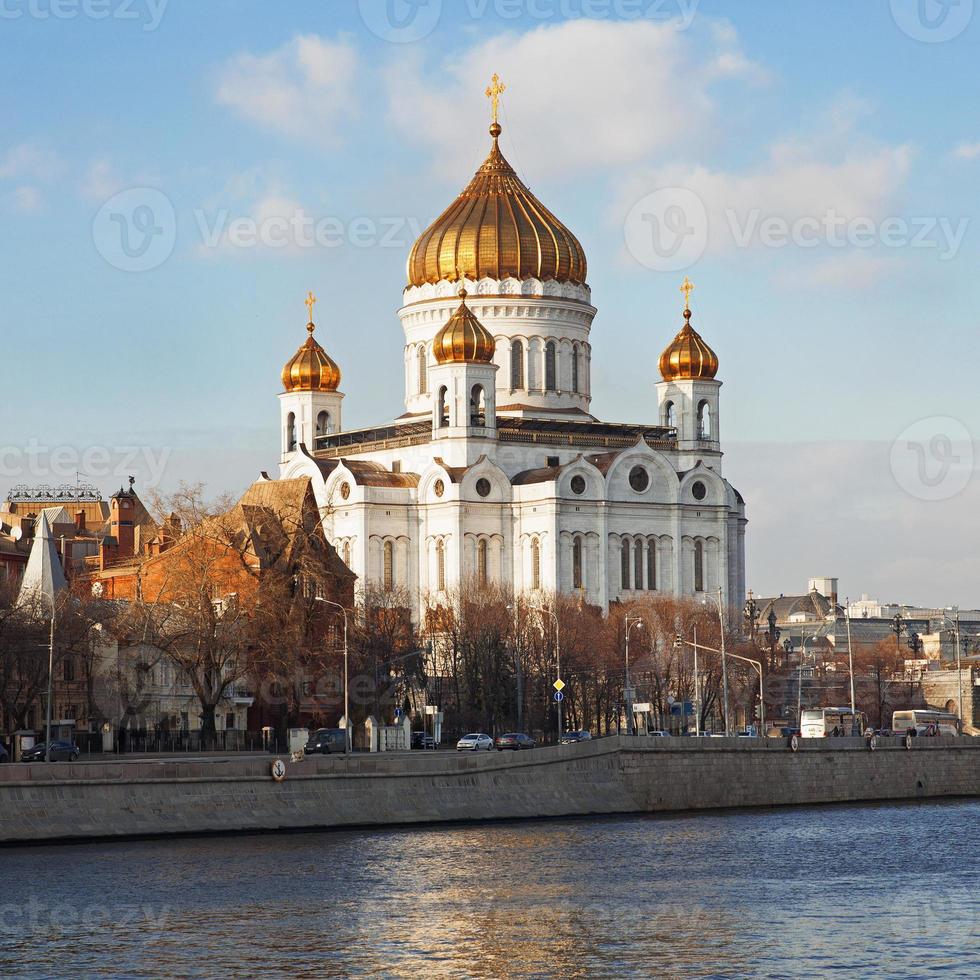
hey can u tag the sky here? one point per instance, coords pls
(176, 176)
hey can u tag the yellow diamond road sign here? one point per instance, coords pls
(559, 684)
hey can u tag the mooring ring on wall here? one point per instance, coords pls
(278, 770)
(873, 742)
(794, 743)
(908, 741)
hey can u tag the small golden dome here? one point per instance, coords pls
(463, 338)
(496, 228)
(311, 368)
(687, 356)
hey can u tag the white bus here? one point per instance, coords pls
(829, 722)
(921, 722)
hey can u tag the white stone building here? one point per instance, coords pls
(498, 471)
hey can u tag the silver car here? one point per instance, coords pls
(474, 743)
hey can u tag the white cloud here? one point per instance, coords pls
(582, 95)
(967, 151)
(101, 181)
(303, 89)
(854, 270)
(26, 199)
(30, 162)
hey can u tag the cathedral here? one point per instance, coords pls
(498, 472)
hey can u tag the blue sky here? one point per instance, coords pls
(831, 151)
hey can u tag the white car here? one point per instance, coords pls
(474, 743)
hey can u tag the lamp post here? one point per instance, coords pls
(554, 616)
(724, 660)
(337, 605)
(630, 722)
(850, 660)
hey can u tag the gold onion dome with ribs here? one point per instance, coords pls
(463, 338)
(311, 368)
(687, 356)
(496, 228)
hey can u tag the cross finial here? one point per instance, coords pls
(494, 90)
(310, 303)
(687, 287)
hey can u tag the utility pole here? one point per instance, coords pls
(850, 661)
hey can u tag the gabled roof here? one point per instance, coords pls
(44, 577)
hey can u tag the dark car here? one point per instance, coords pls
(60, 752)
(423, 740)
(570, 737)
(515, 741)
(325, 741)
(4, 757)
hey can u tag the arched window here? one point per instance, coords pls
(441, 566)
(638, 565)
(423, 370)
(517, 364)
(624, 565)
(670, 415)
(550, 366)
(389, 565)
(652, 565)
(575, 368)
(347, 553)
(291, 432)
(535, 564)
(323, 423)
(478, 406)
(698, 566)
(577, 580)
(483, 563)
(704, 420)
(443, 408)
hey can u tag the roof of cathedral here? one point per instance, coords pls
(543, 474)
(496, 228)
(463, 338)
(813, 604)
(311, 368)
(687, 356)
(367, 473)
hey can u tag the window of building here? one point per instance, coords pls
(478, 406)
(443, 408)
(638, 565)
(422, 370)
(704, 420)
(347, 553)
(670, 415)
(291, 432)
(535, 564)
(389, 565)
(575, 368)
(550, 366)
(483, 563)
(624, 566)
(517, 364)
(639, 479)
(441, 566)
(483, 487)
(68, 670)
(323, 423)
(577, 580)
(652, 565)
(698, 566)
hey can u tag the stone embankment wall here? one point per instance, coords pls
(62, 801)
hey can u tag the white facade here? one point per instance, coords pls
(536, 494)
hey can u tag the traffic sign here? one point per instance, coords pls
(559, 685)
(559, 697)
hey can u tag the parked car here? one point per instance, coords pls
(569, 737)
(515, 741)
(4, 757)
(474, 743)
(60, 752)
(325, 741)
(660, 733)
(423, 740)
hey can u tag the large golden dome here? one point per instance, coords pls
(311, 368)
(687, 356)
(496, 228)
(463, 338)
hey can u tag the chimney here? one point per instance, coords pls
(80, 520)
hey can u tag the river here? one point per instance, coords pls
(837, 891)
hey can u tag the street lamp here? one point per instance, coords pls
(554, 616)
(751, 613)
(724, 660)
(337, 605)
(736, 656)
(630, 723)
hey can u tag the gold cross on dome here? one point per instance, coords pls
(310, 303)
(494, 90)
(687, 287)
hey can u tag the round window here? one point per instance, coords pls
(439, 488)
(699, 490)
(345, 490)
(578, 485)
(483, 487)
(639, 479)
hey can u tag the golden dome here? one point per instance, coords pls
(311, 368)
(496, 228)
(687, 356)
(463, 338)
